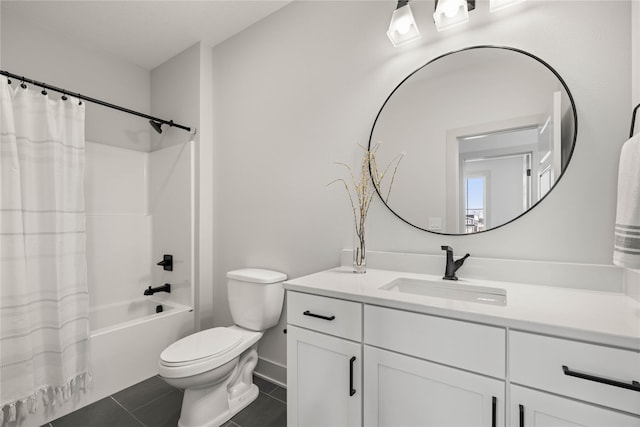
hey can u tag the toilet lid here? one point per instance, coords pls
(201, 345)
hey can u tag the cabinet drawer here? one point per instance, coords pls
(329, 315)
(531, 408)
(465, 345)
(576, 369)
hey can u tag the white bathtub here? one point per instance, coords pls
(126, 341)
(108, 318)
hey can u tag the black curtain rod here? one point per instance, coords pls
(93, 100)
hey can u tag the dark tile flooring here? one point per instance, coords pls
(154, 403)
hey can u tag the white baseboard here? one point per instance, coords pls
(271, 371)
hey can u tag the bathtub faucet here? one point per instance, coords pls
(164, 288)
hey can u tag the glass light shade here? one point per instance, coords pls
(450, 13)
(402, 28)
(501, 4)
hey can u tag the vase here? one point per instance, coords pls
(359, 254)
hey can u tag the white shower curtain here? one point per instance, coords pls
(44, 301)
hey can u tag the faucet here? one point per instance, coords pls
(452, 266)
(164, 288)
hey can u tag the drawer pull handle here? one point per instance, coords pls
(521, 409)
(494, 411)
(352, 390)
(635, 385)
(319, 316)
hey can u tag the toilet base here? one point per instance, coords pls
(213, 404)
(236, 405)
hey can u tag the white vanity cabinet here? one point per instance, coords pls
(361, 363)
(592, 385)
(404, 389)
(531, 408)
(324, 358)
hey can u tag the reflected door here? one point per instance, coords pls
(494, 190)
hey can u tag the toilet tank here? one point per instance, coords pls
(255, 297)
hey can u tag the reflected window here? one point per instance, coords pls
(476, 188)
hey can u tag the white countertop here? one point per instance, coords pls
(601, 317)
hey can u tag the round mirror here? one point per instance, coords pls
(486, 131)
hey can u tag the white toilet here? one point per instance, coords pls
(215, 366)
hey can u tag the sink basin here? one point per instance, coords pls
(448, 289)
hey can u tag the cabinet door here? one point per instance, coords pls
(323, 380)
(405, 391)
(531, 408)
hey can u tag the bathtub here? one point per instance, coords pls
(126, 341)
(112, 317)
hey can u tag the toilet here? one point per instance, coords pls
(215, 366)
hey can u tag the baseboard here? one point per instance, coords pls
(272, 372)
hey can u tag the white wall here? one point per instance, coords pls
(47, 57)
(300, 89)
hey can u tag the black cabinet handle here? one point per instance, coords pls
(494, 411)
(635, 385)
(521, 409)
(319, 316)
(352, 390)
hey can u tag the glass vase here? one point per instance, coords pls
(359, 254)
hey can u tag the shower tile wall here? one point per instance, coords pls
(118, 225)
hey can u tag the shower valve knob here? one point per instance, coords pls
(167, 262)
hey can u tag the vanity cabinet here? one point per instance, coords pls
(531, 408)
(416, 370)
(407, 391)
(324, 358)
(597, 384)
(355, 364)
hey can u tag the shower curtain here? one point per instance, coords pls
(44, 301)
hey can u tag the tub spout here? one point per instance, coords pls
(164, 288)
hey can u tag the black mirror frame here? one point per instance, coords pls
(573, 143)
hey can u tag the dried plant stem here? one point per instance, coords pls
(368, 181)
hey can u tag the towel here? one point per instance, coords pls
(626, 252)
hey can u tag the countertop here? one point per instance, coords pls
(599, 317)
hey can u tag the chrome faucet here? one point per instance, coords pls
(452, 266)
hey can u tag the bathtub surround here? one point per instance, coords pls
(44, 358)
(122, 210)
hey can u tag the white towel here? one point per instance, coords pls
(626, 252)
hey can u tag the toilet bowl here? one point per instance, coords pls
(215, 366)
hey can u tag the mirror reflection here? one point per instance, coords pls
(486, 131)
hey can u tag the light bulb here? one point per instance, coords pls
(451, 9)
(403, 26)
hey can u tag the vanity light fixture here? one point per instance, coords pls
(449, 13)
(402, 28)
(495, 5)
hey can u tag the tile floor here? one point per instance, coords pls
(154, 403)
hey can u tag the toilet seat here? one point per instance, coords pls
(205, 350)
(201, 346)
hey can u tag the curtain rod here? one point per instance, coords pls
(93, 100)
